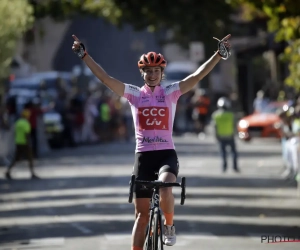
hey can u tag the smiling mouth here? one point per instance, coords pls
(152, 80)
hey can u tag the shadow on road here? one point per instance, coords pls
(23, 185)
(105, 227)
(127, 149)
(85, 197)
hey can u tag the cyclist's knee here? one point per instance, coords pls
(142, 218)
(167, 177)
(166, 193)
(142, 210)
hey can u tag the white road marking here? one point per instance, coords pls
(59, 241)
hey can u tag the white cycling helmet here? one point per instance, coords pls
(223, 102)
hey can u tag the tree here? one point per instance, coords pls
(284, 21)
(187, 19)
(15, 17)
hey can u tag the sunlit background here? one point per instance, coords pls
(84, 158)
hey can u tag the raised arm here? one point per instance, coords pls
(115, 85)
(189, 82)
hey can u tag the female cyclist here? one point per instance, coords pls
(153, 109)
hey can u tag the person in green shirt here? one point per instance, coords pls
(105, 120)
(224, 123)
(22, 141)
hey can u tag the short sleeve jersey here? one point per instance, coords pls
(153, 115)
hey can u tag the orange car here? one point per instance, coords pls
(264, 124)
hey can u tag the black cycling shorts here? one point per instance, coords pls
(150, 164)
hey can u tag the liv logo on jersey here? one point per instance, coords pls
(151, 118)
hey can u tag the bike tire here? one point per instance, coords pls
(148, 245)
(147, 242)
(157, 231)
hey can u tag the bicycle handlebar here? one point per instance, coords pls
(153, 184)
(157, 184)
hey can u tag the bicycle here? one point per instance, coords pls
(153, 236)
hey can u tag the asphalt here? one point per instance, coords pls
(80, 202)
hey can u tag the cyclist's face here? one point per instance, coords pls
(152, 75)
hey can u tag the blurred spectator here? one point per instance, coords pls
(68, 121)
(189, 107)
(90, 114)
(117, 128)
(281, 96)
(127, 118)
(45, 94)
(4, 121)
(224, 131)
(78, 119)
(62, 106)
(11, 106)
(105, 119)
(260, 102)
(35, 112)
(286, 131)
(201, 108)
(293, 144)
(22, 141)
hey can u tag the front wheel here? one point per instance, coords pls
(157, 242)
(148, 245)
(148, 240)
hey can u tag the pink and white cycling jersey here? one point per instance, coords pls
(153, 115)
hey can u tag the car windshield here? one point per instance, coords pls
(270, 109)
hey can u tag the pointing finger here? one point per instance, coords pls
(75, 38)
(226, 37)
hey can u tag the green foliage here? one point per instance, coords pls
(187, 19)
(292, 52)
(64, 9)
(15, 18)
(284, 20)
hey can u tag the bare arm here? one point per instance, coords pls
(189, 82)
(115, 85)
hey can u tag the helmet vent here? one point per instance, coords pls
(145, 59)
(157, 59)
(152, 57)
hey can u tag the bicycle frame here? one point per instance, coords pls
(154, 203)
(154, 229)
(154, 218)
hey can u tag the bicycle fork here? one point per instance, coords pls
(156, 221)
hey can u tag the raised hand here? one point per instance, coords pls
(224, 47)
(78, 47)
